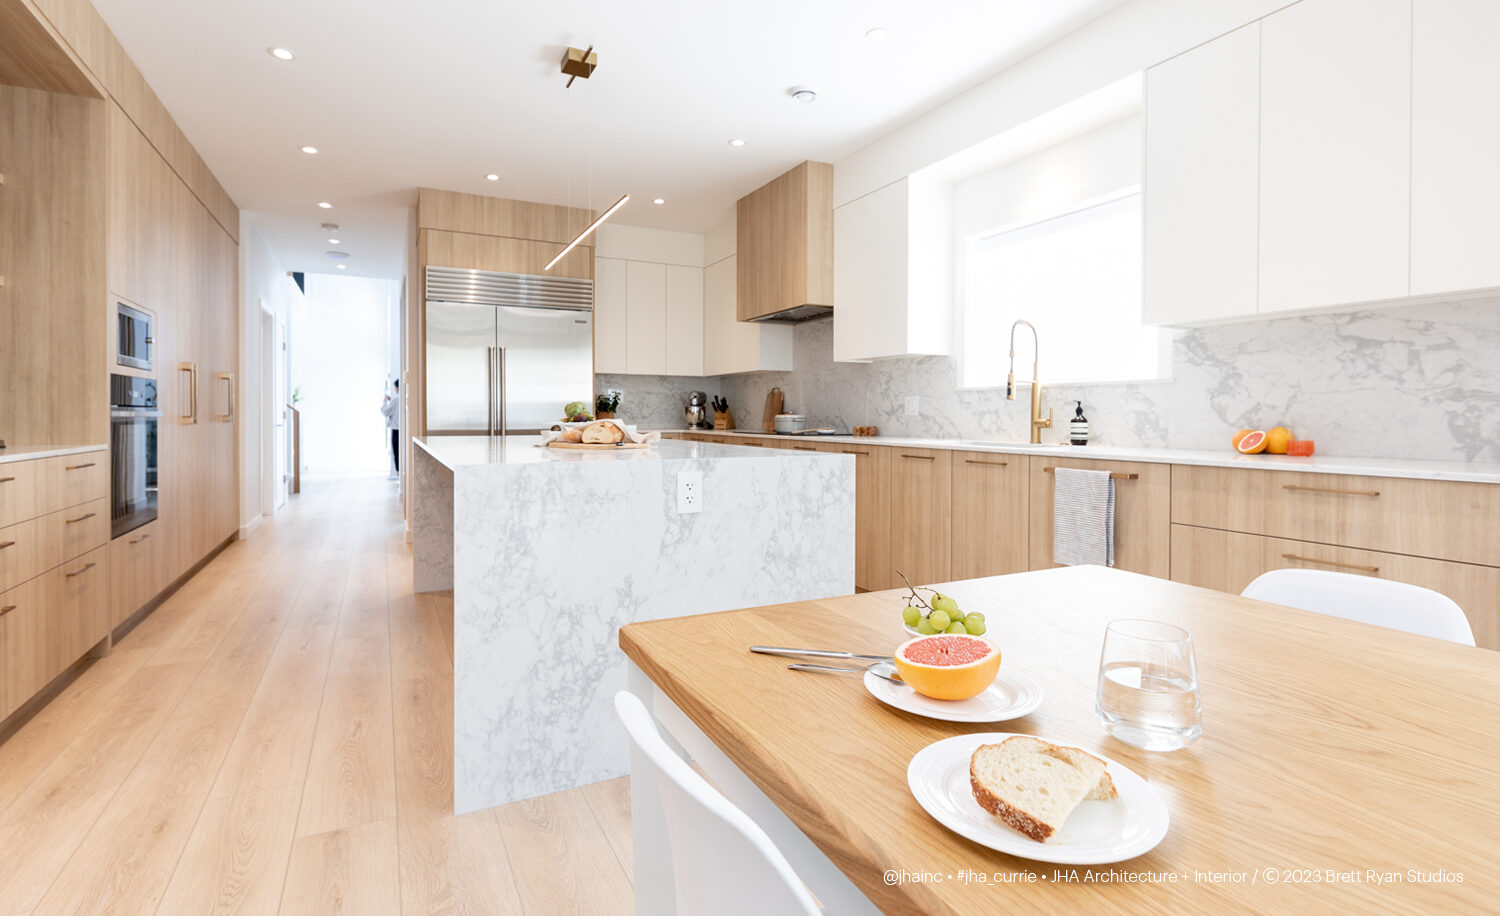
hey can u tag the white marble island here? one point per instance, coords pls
(549, 551)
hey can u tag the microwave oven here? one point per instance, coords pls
(135, 339)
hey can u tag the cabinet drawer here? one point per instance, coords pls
(18, 492)
(23, 666)
(1442, 519)
(20, 553)
(70, 480)
(1228, 561)
(1143, 511)
(77, 598)
(133, 561)
(74, 532)
(990, 514)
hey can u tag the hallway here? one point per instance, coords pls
(276, 737)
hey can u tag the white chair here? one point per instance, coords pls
(1365, 598)
(722, 862)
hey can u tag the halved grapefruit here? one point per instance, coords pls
(1252, 444)
(948, 666)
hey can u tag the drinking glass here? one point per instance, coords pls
(1148, 685)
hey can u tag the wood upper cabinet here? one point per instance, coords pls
(1202, 182)
(921, 494)
(1143, 513)
(785, 243)
(1455, 187)
(1335, 153)
(991, 514)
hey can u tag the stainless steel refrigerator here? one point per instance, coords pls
(505, 352)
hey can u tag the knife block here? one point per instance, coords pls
(723, 419)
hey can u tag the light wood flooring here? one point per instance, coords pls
(277, 737)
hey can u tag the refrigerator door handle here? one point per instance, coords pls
(489, 406)
(500, 385)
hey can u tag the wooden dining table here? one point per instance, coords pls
(1342, 766)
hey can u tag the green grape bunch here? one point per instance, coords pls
(939, 615)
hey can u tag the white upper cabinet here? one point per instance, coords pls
(1455, 192)
(1202, 182)
(611, 353)
(732, 346)
(684, 331)
(1335, 153)
(646, 322)
(893, 272)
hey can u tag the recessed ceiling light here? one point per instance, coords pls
(325, 205)
(310, 150)
(492, 177)
(659, 201)
(333, 241)
(736, 142)
(337, 255)
(802, 94)
(280, 53)
(878, 34)
(341, 266)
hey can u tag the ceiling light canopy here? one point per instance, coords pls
(281, 53)
(803, 94)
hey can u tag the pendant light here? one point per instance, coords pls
(578, 64)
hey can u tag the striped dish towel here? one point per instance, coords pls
(1083, 518)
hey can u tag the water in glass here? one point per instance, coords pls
(1148, 685)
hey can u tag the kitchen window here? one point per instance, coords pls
(1077, 277)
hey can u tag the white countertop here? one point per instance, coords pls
(1317, 464)
(34, 452)
(479, 451)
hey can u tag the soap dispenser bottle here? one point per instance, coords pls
(1078, 428)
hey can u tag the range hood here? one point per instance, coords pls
(795, 315)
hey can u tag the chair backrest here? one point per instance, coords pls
(1382, 602)
(722, 861)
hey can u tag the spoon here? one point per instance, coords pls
(879, 669)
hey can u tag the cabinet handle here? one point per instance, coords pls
(139, 539)
(7, 609)
(79, 467)
(920, 457)
(803, 448)
(78, 572)
(1301, 489)
(6, 479)
(228, 415)
(993, 464)
(854, 451)
(5, 544)
(1372, 570)
(191, 417)
(80, 518)
(1114, 475)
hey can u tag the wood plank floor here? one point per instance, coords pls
(277, 737)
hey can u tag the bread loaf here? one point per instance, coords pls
(1033, 785)
(603, 433)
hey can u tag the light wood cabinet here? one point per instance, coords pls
(70, 480)
(1229, 560)
(1202, 182)
(785, 243)
(1455, 187)
(18, 492)
(1143, 513)
(133, 575)
(1447, 520)
(47, 623)
(1335, 153)
(872, 514)
(991, 514)
(23, 622)
(921, 493)
(20, 552)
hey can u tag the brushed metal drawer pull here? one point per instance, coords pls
(5, 544)
(79, 467)
(6, 479)
(7, 609)
(920, 457)
(1301, 489)
(79, 572)
(139, 539)
(803, 448)
(1114, 475)
(852, 451)
(1372, 570)
(993, 464)
(80, 518)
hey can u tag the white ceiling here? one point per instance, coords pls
(399, 94)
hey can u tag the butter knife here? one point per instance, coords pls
(816, 653)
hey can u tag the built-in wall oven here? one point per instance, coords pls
(135, 339)
(133, 417)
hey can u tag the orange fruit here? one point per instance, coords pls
(948, 666)
(1277, 439)
(1253, 443)
(1240, 435)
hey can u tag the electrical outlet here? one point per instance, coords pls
(912, 406)
(689, 492)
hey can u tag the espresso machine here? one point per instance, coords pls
(696, 411)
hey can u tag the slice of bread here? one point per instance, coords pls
(1034, 785)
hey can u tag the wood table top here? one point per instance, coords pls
(1357, 763)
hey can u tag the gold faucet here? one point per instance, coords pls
(1037, 423)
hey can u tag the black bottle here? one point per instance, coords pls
(1078, 427)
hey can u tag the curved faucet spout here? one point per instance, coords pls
(1037, 422)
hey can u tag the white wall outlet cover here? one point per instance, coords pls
(689, 492)
(913, 406)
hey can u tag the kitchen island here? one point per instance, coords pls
(549, 552)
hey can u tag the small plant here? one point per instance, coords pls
(607, 402)
(296, 395)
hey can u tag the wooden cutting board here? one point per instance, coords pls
(773, 407)
(594, 446)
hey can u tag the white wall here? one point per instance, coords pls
(264, 280)
(343, 361)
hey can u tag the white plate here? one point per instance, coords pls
(1011, 696)
(1097, 832)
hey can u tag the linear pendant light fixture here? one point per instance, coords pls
(575, 64)
(592, 226)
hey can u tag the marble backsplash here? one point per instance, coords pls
(1414, 381)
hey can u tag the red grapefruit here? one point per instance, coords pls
(1252, 444)
(948, 666)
